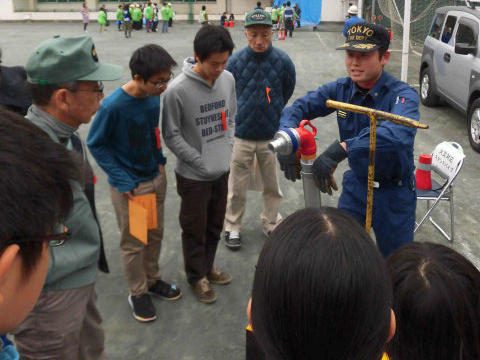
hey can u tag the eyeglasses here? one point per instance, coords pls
(162, 84)
(98, 89)
(58, 238)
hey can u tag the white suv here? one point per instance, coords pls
(450, 67)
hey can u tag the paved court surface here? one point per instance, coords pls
(187, 329)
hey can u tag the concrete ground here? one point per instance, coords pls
(187, 329)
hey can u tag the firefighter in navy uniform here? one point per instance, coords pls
(368, 85)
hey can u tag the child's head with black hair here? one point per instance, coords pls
(436, 294)
(212, 47)
(212, 39)
(149, 60)
(151, 68)
(321, 290)
(36, 197)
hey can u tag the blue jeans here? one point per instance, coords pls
(164, 26)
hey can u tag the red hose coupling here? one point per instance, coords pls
(308, 147)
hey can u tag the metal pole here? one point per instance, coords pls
(371, 171)
(406, 39)
(360, 8)
(373, 8)
(310, 189)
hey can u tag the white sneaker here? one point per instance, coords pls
(232, 240)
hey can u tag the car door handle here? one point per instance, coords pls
(446, 57)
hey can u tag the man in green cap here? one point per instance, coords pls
(260, 103)
(65, 80)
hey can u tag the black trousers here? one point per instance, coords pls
(289, 26)
(202, 212)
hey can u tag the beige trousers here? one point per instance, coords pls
(64, 324)
(140, 262)
(240, 168)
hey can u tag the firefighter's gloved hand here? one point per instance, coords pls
(289, 164)
(325, 165)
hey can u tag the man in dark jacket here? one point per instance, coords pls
(265, 80)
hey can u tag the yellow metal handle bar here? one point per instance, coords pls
(373, 115)
(398, 119)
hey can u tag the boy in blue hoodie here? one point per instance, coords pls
(125, 141)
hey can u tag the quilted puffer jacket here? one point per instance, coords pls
(264, 83)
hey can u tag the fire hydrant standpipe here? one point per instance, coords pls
(289, 141)
(308, 153)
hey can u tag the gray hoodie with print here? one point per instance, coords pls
(198, 123)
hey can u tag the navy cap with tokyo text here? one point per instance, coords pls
(366, 37)
(59, 60)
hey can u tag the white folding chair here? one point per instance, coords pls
(447, 161)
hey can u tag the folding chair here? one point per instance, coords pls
(447, 161)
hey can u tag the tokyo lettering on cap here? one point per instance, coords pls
(63, 59)
(366, 37)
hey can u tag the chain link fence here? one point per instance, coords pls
(390, 14)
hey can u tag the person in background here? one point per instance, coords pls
(260, 104)
(155, 17)
(127, 20)
(259, 6)
(137, 17)
(165, 11)
(65, 322)
(119, 17)
(321, 291)
(125, 141)
(231, 18)
(170, 15)
(352, 19)
(223, 18)
(203, 16)
(148, 14)
(436, 298)
(36, 195)
(298, 14)
(14, 94)
(102, 19)
(274, 16)
(198, 124)
(85, 16)
(289, 18)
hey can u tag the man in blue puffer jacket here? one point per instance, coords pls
(265, 80)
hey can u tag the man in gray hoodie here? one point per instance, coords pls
(198, 126)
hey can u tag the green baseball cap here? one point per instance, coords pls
(258, 17)
(62, 59)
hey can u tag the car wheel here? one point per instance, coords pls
(473, 125)
(427, 94)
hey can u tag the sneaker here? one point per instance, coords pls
(165, 290)
(142, 306)
(232, 240)
(219, 277)
(203, 291)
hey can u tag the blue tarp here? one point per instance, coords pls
(311, 10)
